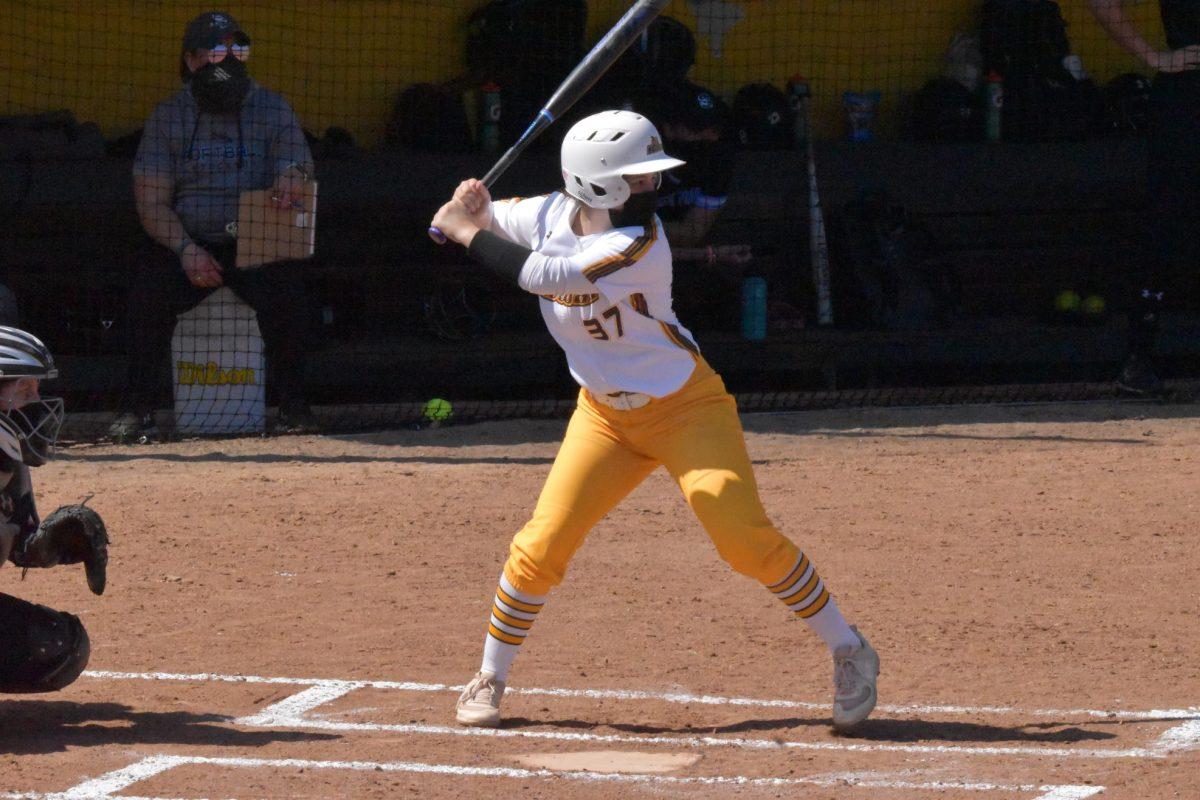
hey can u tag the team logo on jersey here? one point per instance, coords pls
(655, 146)
(572, 300)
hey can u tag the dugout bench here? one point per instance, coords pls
(1019, 222)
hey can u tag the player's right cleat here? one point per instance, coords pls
(479, 704)
(132, 428)
(854, 676)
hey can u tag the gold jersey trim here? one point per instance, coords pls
(626, 258)
(571, 300)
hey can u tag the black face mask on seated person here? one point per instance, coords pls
(638, 210)
(220, 88)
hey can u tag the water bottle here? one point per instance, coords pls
(799, 99)
(754, 309)
(489, 131)
(993, 105)
(860, 113)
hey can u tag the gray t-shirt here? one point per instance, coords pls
(213, 158)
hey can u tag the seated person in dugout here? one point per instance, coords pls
(41, 649)
(597, 257)
(696, 125)
(220, 135)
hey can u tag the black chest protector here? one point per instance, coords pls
(16, 499)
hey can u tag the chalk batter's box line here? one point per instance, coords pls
(291, 713)
(105, 786)
(1165, 715)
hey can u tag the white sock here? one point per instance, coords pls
(498, 657)
(831, 626)
(804, 593)
(513, 613)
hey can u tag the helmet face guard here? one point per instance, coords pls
(38, 424)
(599, 150)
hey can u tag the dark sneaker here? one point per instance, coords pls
(132, 428)
(1138, 377)
(296, 419)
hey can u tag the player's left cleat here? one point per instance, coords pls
(479, 704)
(854, 676)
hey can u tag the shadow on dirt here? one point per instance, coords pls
(881, 730)
(37, 726)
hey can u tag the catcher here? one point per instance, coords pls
(41, 649)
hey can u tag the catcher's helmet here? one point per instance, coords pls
(22, 355)
(601, 148)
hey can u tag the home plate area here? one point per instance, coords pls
(241, 737)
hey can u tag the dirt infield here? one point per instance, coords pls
(285, 618)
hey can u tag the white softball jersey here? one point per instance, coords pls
(606, 297)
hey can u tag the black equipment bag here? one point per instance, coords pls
(896, 278)
(1021, 37)
(1025, 41)
(429, 117)
(762, 117)
(526, 47)
(946, 111)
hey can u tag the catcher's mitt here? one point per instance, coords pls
(69, 535)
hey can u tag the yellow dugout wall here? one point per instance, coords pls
(342, 62)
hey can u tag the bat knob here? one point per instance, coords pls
(437, 235)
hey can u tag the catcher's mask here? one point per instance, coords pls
(460, 309)
(38, 424)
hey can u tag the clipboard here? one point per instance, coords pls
(266, 234)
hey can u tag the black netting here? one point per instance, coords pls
(1001, 191)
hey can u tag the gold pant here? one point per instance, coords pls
(696, 434)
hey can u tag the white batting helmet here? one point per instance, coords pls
(601, 148)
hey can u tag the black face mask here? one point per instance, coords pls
(220, 88)
(638, 210)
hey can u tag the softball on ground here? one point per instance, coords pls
(438, 410)
(1067, 301)
(1093, 304)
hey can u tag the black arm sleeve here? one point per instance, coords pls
(503, 257)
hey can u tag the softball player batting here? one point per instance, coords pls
(597, 257)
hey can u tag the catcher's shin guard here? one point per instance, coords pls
(44, 650)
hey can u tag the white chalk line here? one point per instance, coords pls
(295, 706)
(103, 787)
(1191, 713)
(713, 741)
(1181, 737)
(290, 713)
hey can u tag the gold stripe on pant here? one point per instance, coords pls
(696, 434)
